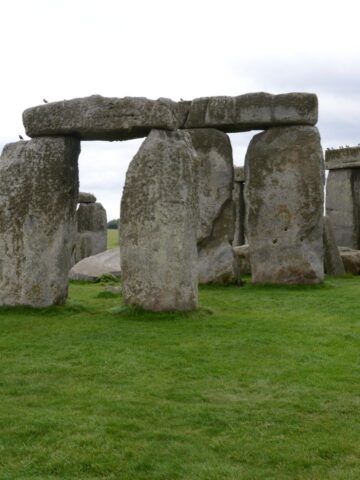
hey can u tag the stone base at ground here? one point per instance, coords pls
(158, 224)
(39, 190)
(91, 269)
(284, 174)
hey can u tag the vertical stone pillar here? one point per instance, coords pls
(92, 233)
(239, 201)
(284, 173)
(158, 224)
(38, 196)
(332, 259)
(343, 195)
(216, 260)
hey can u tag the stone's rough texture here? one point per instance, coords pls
(158, 224)
(342, 158)
(92, 230)
(239, 202)
(239, 174)
(253, 111)
(242, 255)
(101, 118)
(84, 197)
(91, 269)
(332, 260)
(284, 173)
(216, 262)
(343, 205)
(38, 196)
(351, 260)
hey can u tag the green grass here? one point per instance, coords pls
(259, 383)
(112, 238)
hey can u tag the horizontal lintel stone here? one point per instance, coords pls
(348, 157)
(253, 111)
(102, 118)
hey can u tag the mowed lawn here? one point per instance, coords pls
(112, 238)
(259, 383)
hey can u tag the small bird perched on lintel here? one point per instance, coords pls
(21, 138)
(45, 101)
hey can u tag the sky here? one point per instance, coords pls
(63, 49)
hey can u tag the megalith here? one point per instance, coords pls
(158, 224)
(343, 195)
(215, 231)
(332, 259)
(239, 202)
(91, 230)
(38, 197)
(284, 173)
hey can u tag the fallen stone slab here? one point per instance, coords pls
(253, 111)
(91, 269)
(348, 157)
(39, 191)
(332, 260)
(351, 260)
(102, 118)
(284, 172)
(85, 197)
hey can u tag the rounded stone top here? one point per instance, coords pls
(84, 197)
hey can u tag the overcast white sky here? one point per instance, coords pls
(58, 49)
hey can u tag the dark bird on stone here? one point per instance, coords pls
(45, 101)
(21, 138)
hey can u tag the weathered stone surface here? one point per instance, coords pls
(91, 269)
(242, 255)
(84, 197)
(239, 202)
(348, 157)
(351, 260)
(239, 174)
(332, 260)
(158, 224)
(38, 197)
(284, 173)
(253, 111)
(92, 231)
(216, 261)
(101, 118)
(343, 205)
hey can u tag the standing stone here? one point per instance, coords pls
(343, 205)
(216, 261)
(38, 197)
(85, 197)
(239, 201)
(158, 224)
(92, 231)
(332, 259)
(284, 196)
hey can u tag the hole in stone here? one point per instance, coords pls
(285, 229)
(274, 241)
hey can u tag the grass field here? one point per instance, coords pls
(112, 238)
(259, 383)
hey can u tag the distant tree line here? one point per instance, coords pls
(113, 224)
